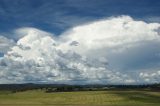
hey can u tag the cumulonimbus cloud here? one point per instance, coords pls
(110, 51)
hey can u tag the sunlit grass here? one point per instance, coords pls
(86, 98)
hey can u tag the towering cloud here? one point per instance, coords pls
(115, 50)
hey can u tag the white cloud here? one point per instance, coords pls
(5, 44)
(150, 77)
(113, 50)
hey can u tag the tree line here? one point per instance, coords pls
(48, 88)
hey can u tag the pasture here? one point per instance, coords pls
(80, 98)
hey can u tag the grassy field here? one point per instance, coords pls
(80, 98)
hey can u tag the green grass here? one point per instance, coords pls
(81, 98)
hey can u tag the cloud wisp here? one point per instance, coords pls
(5, 44)
(116, 50)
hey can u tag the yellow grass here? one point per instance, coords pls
(81, 98)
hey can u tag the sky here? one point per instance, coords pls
(80, 41)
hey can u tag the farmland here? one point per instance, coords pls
(81, 98)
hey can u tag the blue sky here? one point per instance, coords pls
(80, 41)
(59, 15)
